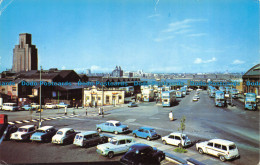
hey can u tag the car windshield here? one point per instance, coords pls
(22, 130)
(118, 124)
(59, 133)
(78, 137)
(152, 131)
(41, 131)
(232, 147)
(185, 137)
(113, 141)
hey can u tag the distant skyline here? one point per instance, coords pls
(159, 36)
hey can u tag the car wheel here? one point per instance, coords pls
(222, 158)
(110, 154)
(164, 142)
(116, 132)
(148, 138)
(201, 151)
(134, 135)
(99, 130)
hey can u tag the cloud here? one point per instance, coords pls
(199, 60)
(154, 15)
(63, 67)
(4, 8)
(180, 25)
(197, 35)
(163, 39)
(94, 68)
(238, 62)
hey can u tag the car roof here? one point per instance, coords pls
(27, 126)
(222, 141)
(146, 128)
(140, 146)
(177, 133)
(87, 133)
(120, 137)
(64, 129)
(113, 121)
(44, 128)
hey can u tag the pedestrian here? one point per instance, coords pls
(102, 112)
(99, 111)
(65, 113)
(86, 112)
(35, 127)
(171, 116)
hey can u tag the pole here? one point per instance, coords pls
(40, 121)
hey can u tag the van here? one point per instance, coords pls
(88, 138)
(10, 107)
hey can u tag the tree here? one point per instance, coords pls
(182, 124)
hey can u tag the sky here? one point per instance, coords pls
(159, 36)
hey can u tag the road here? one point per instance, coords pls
(204, 121)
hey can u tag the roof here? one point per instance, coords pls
(120, 137)
(87, 133)
(147, 128)
(254, 72)
(113, 121)
(44, 128)
(177, 133)
(140, 146)
(222, 141)
(27, 126)
(64, 129)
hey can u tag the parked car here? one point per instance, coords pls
(88, 138)
(44, 134)
(112, 126)
(142, 154)
(35, 106)
(26, 107)
(132, 104)
(146, 132)
(64, 136)
(10, 107)
(62, 105)
(117, 145)
(223, 149)
(10, 129)
(23, 133)
(50, 106)
(195, 99)
(177, 139)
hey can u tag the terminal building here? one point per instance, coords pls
(251, 80)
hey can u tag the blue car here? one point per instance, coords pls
(146, 132)
(44, 134)
(27, 107)
(112, 126)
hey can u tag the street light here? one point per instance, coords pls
(40, 121)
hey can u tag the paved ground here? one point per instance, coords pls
(203, 121)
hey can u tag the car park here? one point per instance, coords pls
(224, 149)
(50, 106)
(23, 133)
(89, 138)
(112, 126)
(43, 134)
(62, 105)
(117, 145)
(177, 139)
(64, 136)
(146, 132)
(10, 129)
(132, 104)
(142, 154)
(26, 107)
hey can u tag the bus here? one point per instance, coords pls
(168, 98)
(223, 89)
(183, 90)
(234, 93)
(211, 91)
(179, 94)
(250, 101)
(148, 94)
(219, 98)
(167, 88)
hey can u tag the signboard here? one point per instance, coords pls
(3, 119)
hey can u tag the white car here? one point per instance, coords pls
(10, 106)
(223, 149)
(117, 145)
(23, 133)
(64, 136)
(50, 106)
(35, 105)
(177, 139)
(195, 99)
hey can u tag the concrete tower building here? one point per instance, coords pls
(25, 55)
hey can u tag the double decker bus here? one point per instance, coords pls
(178, 93)
(219, 98)
(250, 101)
(168, 98)
(184, 90)
(148, 94)
(211, 91)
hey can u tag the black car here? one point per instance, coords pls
(142, 154)
(10, 129)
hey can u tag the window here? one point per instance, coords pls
(99, 98)
(107, 124)
(119, 97)
(224, 148)
(87, 97)
(111, 124)
(107, 99)
(171, 137)
(140, 130)
(128, 140)
(217, 145)
(232, 147)
(13, 89)
(122, 142)
(146, 131)
(210, 144)
(113, 97)
(177, 138)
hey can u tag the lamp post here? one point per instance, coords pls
(102, 104)
(40, 121)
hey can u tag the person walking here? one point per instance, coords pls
(99, 111)
(102, 112)
(171, 116)
(65, 113)
(86, 112)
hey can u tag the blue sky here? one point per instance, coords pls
(154, 35)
